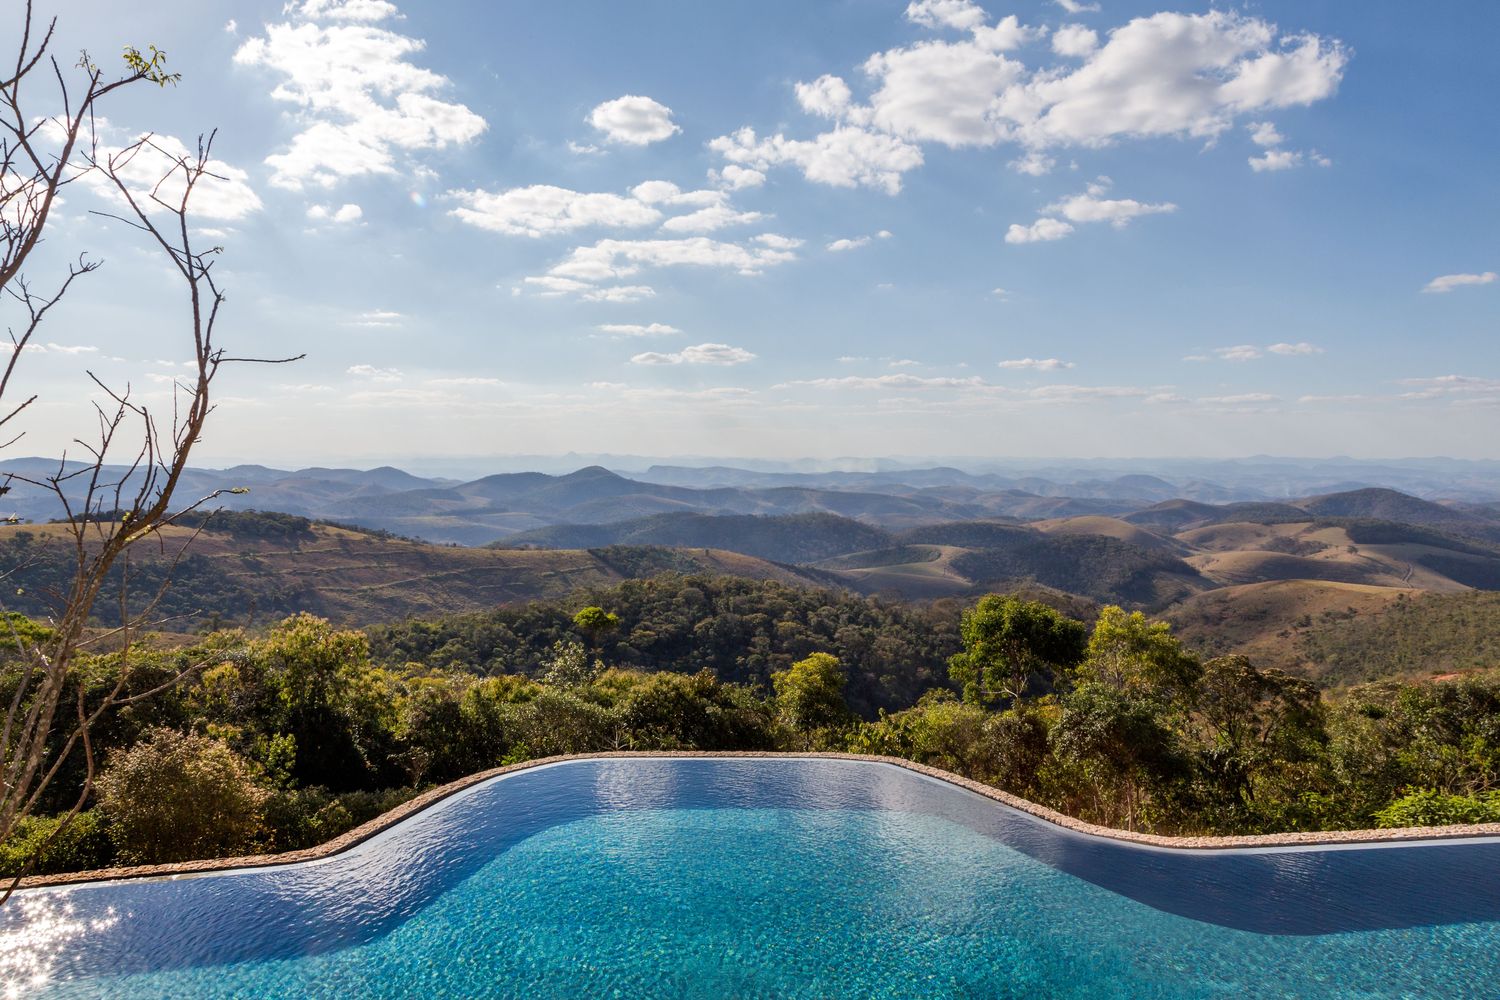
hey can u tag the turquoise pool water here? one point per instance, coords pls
(718, 879)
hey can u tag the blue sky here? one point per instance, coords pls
(789, 229)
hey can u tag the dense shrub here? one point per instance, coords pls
(175, 797)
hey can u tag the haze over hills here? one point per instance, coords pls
(1272, 575)
(494, 507)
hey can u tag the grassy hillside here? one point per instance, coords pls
(796, 538)
(352, 577)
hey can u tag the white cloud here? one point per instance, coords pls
(1239, 352)
(1040, 231)
(552, 285)
(583, 148)
(359, 99)
(838, 246)
(1448, 282)
(848, 156)
(1034, 164)
(699, 354)
(1090, 207)
(634, 120)
(1075, 40)
(348, 10)
(737, 178)
(1264, 134)
(1076, 6)
(1275, 159)
(541, 209)
(942, 92)
(963, 15)
(613, 259)
(232, 27)
(344, 213)
(377, 317)
(1169, 74)
(1299, 349)
(778, 242)
(639, 330)
(1175, 75)
(620, 293)
(828, 96)
(1037, 364)
(155, 170)
(707, 220)
(375, 374)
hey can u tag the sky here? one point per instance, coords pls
(792, 229)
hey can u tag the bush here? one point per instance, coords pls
(1430, 807)
(179, 797)
(83, 844)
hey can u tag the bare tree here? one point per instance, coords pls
(121, 491)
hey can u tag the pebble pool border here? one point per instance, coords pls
(431, 797)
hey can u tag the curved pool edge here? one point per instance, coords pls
(430, 798)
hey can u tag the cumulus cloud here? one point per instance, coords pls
(1091, 206)
(327, 213)
(1075, 41)
(1077, 6)
(1446, 283)
(963, 15)
(620, 293)
(711, 218)
(634, 120)
(1040, 231)
(1239, 352)
(1165, 75)
(1275, 159)
(152, 166)
(638, 329)
(699, 354)
(737, 178)
(1264, 134)
(1036, 364)
(585, 268)
(359, 100)
(848, 156)
(1299, 349)
(854, 243)
(542, 209)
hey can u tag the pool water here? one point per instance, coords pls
(730, 879)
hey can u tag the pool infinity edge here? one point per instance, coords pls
(413, 806)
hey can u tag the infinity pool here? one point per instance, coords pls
(774, 878)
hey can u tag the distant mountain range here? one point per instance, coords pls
(516, 506)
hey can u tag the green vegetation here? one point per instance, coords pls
(741, 630)
(287, 739)
(1424, 635)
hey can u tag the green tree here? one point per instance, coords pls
(1130, 652)
(1007, 641)
(595, 623)
(810, 693)
(178, 797)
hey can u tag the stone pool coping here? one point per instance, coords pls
(433, 796)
